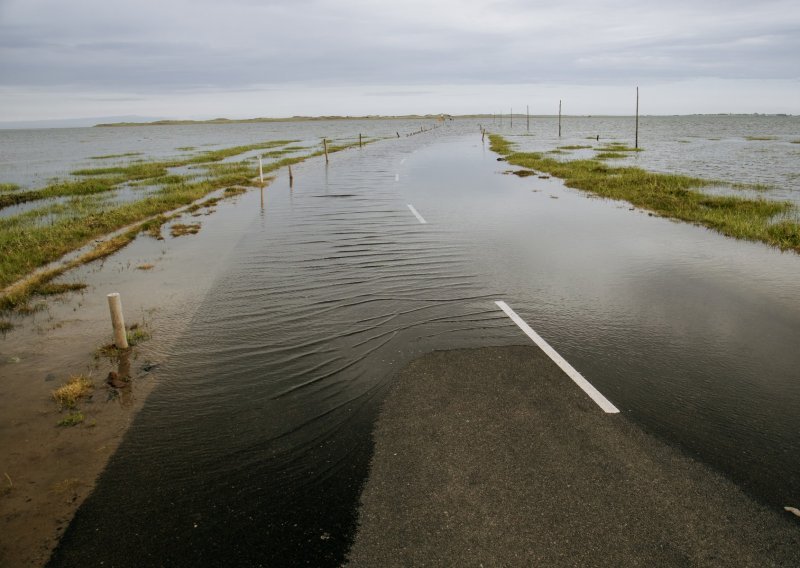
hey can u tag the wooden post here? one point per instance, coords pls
(359, 140)
(260, 170)
(527, 118)
(636, 144)
(325, 145)
(117, 321)
(511, 118)
(291, 177)
(559, 118)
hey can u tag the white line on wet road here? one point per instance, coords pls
(416, 214)
(573, 374)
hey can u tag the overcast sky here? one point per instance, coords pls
(246, 58)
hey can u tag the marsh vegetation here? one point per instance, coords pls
(88, 208)
(668, 195)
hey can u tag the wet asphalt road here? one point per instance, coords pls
(493, 457)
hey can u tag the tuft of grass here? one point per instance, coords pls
(68, 394)
(146, 266)
(136, 334)
(72, 419)
(610, 156)
(574, 147)
(109, 156)
(180, 229)
(795, 141)
(669, 195)
(618, 147)
(760, 138)
(233, 191)
(5, 326)
(51, 289)
(8, 187)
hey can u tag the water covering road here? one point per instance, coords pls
(254, 447)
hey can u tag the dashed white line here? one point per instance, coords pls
(573, 374)
(416, 214)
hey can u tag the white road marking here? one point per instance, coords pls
(573, 374)
(416, 214)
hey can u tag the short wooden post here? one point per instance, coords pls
(291, 177)
(325, 145)
(636, 144)
(559, 118)
(260, 170)
(117, 321)
(359, 140)
(527, 118)
(511, 118)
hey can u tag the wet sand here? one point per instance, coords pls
(493, 457)
(47, 471)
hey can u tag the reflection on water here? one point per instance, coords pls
(253, 449)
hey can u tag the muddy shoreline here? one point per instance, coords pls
(48, 470)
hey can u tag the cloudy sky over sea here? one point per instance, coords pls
(245, 58)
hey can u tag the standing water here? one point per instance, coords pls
(254, 446)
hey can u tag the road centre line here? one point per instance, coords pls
(573, 374)
(416, 214)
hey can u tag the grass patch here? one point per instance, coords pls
(72, 419)
(759, 138)
(136, 334)
(146, 266)
(52, 289)
(234, 191)
(109, 156)
(618, 147)
(610, 156)
(668, 195)
(8, 187)
(181, 229)
(76, 388)
(574, 147)
(6, 326)
(795, 142)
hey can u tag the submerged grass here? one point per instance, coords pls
(109, 156)
(669, 195)
(52, 289)
(28, 243)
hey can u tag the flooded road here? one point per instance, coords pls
(255, 444)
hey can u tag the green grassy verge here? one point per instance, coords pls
(668, 195)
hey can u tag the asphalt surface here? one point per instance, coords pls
(493, 457)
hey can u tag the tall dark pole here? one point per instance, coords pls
(559, 118)
(636, 144)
